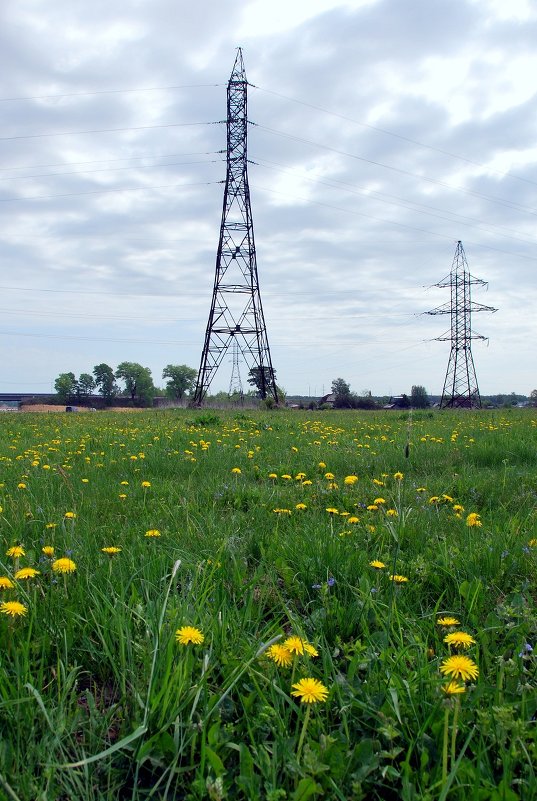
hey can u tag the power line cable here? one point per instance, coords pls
(402, 203)
(482, 196)
(393, 222)
(110, 130)
(106, 191)
(112, 161)
(111, 92)
(396, 135)
(114, 169)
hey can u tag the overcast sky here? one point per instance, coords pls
(383, 132)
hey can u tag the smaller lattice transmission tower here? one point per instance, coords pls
(460, 384)
(235, 383)
(236, 315)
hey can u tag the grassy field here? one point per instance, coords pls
(268, 606)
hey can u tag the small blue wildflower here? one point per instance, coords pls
(316, 586)
(526, 649)
(331, 581)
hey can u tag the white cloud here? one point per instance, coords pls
(355, 211)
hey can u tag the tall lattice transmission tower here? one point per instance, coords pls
(236, 313)
(460, 384)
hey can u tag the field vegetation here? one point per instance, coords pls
(285, 605)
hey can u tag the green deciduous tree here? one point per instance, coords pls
(138, 382)
(66, 387)
(342, 394)
(260, 378)
(105, 381)
(419, 398)
(86, 385)
(181, 380)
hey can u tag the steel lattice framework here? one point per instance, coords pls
(460, 384)
(236, 313)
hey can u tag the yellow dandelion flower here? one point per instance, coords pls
(399, 579)
(448, 621)
(26, 573)
(236, 470)
(421, 489)
(350, 480)
(434, 499)
(458, 508)
(51, 525)
(146, 484)
(459, 667)
(378, 564)
(379, 501)
(64, 565)
(16, 551)
(322, 465)
(301, 506)
(6, 583)
(329, 476)
(332, 510)
(353, 519)
(307, 483)
(152, 532)
(21, 485)
(70, 515)
(372, 507)
(48, 550)
(273, 475)
(453, 688)
(124, 483)
(13, 609)
(111, 550)
(533, 543)
(398, 476)
(459, 639)
(295, 644)
(310, 691)
(286, 477)
(378, 483)
(473, 519)
(189, 634)
(281, 655)
(391, 513)
(310, 649)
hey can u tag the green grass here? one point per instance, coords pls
(98, 701)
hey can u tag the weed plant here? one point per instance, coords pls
(256, 606)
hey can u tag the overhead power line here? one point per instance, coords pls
(395, 135)
(482, 196)
(111, 92)
(109, 130)
(106, 191)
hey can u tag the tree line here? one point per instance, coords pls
(136, 383)
(344, 398)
